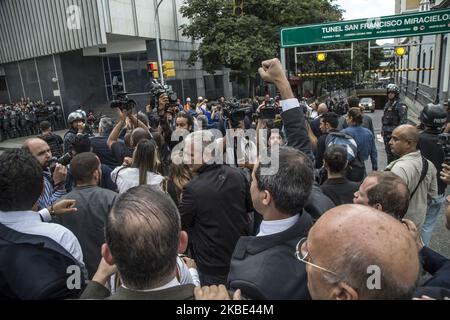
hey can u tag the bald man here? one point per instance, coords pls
(417, 172)
(315, 124)
(369, 255)
(54, 184)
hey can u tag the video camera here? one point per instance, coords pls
(121, 101)
(233, 112)
(269, 111)
(157, 89)
(444, 142)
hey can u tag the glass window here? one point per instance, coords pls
(114, 63)
(3, 84)
(135, 72)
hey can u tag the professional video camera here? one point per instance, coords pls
(157, 89)
(121, 101)
(444, 142)
(269, 111)
(233, 112)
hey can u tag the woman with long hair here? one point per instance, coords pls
(179, 176)
(143, 169)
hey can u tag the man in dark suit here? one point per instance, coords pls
(280, 198)
(143, 238)
(214, 209)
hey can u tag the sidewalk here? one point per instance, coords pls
(17, 142)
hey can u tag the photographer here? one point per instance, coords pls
(433, 118)
(77, 122)
(54, 183)
(119, 149)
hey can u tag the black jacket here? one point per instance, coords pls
(436, 265)
(428, 146)
(215, 212)
(266, 267)
(101, 149)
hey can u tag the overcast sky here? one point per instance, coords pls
(358, 9)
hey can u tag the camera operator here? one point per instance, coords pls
(54, 183)
(433, 118)
(77, 122)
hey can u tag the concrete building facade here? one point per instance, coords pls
(75, 51)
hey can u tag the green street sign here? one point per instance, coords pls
(404, 25)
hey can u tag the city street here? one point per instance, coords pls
(441, 236)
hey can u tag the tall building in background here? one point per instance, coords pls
(74, 52)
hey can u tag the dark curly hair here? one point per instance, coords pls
(21, 180)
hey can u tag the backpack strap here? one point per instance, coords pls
(422, 175)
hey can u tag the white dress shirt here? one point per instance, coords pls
(30, 222)
(276, 226)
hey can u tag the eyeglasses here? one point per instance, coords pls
(303, 255)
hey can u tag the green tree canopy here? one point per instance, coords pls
(241, 43)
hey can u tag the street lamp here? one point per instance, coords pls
(158, 37)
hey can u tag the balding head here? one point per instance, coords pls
(408, 132)
(322, 109)
(39, 149)
(404, 140)
(372, 255)
(139, 134)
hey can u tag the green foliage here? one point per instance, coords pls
(241, 43)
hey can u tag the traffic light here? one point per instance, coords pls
(400, 51)
(169, 69)
(321, 56)
(238, 8)
(152, 69)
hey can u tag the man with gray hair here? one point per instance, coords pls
(99, 145)
(215, 207)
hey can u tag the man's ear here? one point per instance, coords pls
(343, 291)
(267, 198)
(183, 242)
(378, 206)
(106, 254)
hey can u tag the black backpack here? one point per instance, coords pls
(34, 267)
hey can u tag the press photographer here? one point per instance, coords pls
(119, 148)
(54, 182)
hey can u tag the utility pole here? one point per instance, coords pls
(158, 39)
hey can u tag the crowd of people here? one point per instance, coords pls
(180, 202)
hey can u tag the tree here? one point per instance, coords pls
(241, 43)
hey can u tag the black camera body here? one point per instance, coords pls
(269, 111)
(157, 89)
(63, 160)
(444, 142)
(121, 101)
(233, 112)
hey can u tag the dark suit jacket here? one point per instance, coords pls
(96, 291)
(436, 265)
(266, 267)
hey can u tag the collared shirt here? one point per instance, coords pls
(50, 195)
(409, 168)
(173, 283)
(276, 226)
(30, 222)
